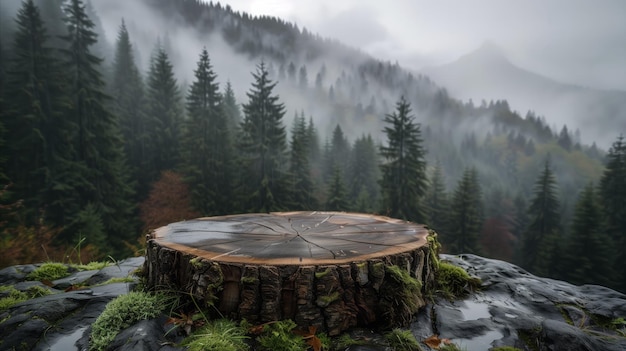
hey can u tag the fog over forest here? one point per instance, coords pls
(176, 104)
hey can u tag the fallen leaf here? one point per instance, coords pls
(433, 342)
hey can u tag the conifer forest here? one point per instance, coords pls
(100, 143)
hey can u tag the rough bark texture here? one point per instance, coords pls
(356, 291)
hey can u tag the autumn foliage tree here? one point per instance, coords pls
(169, 201)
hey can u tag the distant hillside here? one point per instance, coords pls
(488, 74)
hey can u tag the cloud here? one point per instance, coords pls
(574, 41)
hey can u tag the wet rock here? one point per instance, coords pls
(516, 308)
(513, 308)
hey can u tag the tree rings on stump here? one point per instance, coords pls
(331, 270)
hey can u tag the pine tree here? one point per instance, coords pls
(587, 255)
(39, 145)
(338, 154)
(613, 203)
(231, 108)
(166, 112)
(97, 139)
(466, 215)
(403, 170)
(208, 154)
(263, 146)
(337, 194)
(127, 91)
(300, 168)
(363, 174)
(539, 251)
(436, 201)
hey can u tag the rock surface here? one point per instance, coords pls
(513, 308)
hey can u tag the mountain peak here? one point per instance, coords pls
(488, 52)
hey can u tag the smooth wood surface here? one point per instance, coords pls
(292, 237)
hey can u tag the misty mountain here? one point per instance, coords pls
(487, 74)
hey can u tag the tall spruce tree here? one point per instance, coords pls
(539, 251)
(403, 169)
(207, 148)
(107, 195)
(436, 201)
(39, 145)
(466, 216)
(128, 104)
(263, 148)
(337, 154)
(613, 203)
(587, 254)
(165, 109)
(363, 174)
(300, 168)
(231, 108)
(337, 194)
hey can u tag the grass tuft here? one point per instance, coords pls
(402, 340)
(49, 271)
(218, 335)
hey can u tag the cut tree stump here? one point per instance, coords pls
(330, 270)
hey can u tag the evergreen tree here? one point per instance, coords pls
(263, 145)
(208, 155)
(40, 154)
(337, 194)
(231, 108)
(437, 204)
(97, 139)
(300, 168)
(314, 142)
(587, 252)
(363, 175)
(127, 91)
(337, 155)
(403, 170)
(613, 203)
(539, 251)
(466, 215)
(165, 111)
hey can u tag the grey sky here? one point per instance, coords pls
(573, 41)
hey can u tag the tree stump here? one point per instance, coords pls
(326, 269)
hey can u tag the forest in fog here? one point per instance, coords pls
(100, 143)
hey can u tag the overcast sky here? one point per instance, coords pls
(573, 41)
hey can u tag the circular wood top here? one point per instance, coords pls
(294, 238)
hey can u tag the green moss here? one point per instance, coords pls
(49, 271)
(9, 301)
(402, 340)
(196, 262)
(449, 347)
(278, 336)
(91, 266)
(401, 296)
(377, 269)
(433, 247)
(322, 274)
(505, 348)
(118, 280)
(323, 301)
(121, 313)
(453, 281)
(13, 296)
(218, 335)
